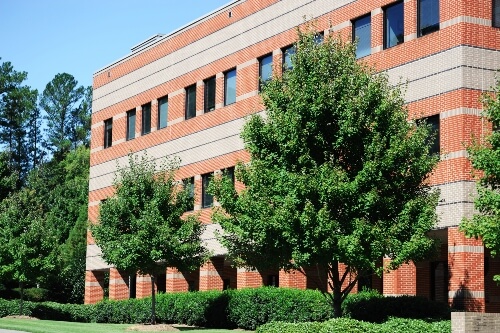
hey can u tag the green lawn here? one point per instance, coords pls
(49, 326)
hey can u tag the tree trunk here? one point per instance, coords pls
(153, 301)
(337, 290)
(21, 301)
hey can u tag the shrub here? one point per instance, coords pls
(249, 308)
(373, 307)
(394, 325)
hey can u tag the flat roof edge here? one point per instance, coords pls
(158, 38)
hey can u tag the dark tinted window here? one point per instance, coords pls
(162, 112)
(394, 25)
(209, 94)
(362, 34)
(130, 124)
(230, 87)
(191, 102)
(146, 119)
(428, 16)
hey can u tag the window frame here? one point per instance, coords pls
(130, 135)
(207, 200)
(433, 27)
(207, 106)
(146, 119)
(160, 100)
(226, 74)
(190, 104)
(386, 26)
(353, 22)
(261, 60)
(108, 133)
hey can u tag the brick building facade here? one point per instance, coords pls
(187, 94)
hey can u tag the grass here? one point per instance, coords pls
(49, 326)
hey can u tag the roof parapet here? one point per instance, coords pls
(145, 43)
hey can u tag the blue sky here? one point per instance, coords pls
(79, 37)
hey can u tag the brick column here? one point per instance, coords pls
(94, 286)
(248, 278)
(143, 286)
(211, 274)
(293, 279)
(402, 281)
(176, 281)
(377, 37)
(466, 272)
(118, 285)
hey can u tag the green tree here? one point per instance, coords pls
(142, 228)
(18, 107)
(26, 242)
(337, 173)
(66, 105)
(485, 158)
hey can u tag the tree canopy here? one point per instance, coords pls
(485, 158)
(337, 173)
(142, 228)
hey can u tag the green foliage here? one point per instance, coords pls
(336, 174)
(485, 157)
(142, 228)
(68, 110)
(372, 307)
(26, 241)
(249, 308)
(18, 117)
(395, 325)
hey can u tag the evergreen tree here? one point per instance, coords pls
(61, 100)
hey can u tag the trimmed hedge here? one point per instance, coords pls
(246, 308)
(393, 325)
(249, 308)
(372, 307)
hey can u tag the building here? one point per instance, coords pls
(186, 93)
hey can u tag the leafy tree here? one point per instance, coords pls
(485, 157)
(26, 242)
(61, 100)
(142, 228)
(337, 173)
(8, 177)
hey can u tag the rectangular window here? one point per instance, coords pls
(130, 124)
(496, 14)
(146, 119)
(162, 112)
(428, 17)
(189, 184)
(108, 132)
(230, 87)
(393, 25)
(288, 53)
(206, 199)
(265, 70)
(191, 102)
(433, 142)
(362, 34)
(209, 94)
